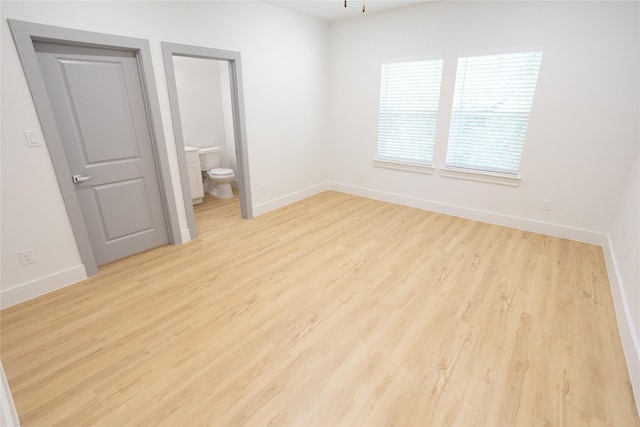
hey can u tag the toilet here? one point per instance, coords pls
(219, 178)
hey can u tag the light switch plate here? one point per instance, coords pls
(33, 140)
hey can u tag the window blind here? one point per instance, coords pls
(491, 107)
(409, 96)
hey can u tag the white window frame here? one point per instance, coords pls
(401, 164)
(509, 179)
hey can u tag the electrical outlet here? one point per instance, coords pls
(263, 188)
(547, 205)
(26, 257)
(628, 250)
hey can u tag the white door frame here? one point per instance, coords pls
(24, 34)
(237, 106)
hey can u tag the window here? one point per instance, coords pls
(409, 95)
(491, 106)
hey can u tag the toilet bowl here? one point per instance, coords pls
(221, 180)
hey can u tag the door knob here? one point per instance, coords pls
(80, 178)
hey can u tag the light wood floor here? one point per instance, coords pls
(336, 310)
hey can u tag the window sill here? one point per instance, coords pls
(491, 177)
(408, 167)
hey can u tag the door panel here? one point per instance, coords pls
(110, 197)
(99, 106)
(112, 139)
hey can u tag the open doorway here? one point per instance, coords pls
(216, 118)
(206, 113)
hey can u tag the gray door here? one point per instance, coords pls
(99, 107)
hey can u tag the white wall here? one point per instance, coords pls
(200, 99)
(623, 264)
(284, 57)
(584, 124)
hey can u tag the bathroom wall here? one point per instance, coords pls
(200, 98)
(284, 66)
(584, 127)
(206, 113)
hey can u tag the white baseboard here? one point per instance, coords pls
(288, 199)
(8, 415)
(44, 285)
(555, 230)
(628, 333)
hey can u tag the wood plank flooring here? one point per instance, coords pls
(336, 310)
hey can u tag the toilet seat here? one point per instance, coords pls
(221, 172)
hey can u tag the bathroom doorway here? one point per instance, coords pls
(205, 93)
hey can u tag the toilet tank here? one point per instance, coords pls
(209, 158)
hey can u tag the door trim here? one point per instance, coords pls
(239, 130)
(24, 34)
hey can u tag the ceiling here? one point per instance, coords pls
(334, 10)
